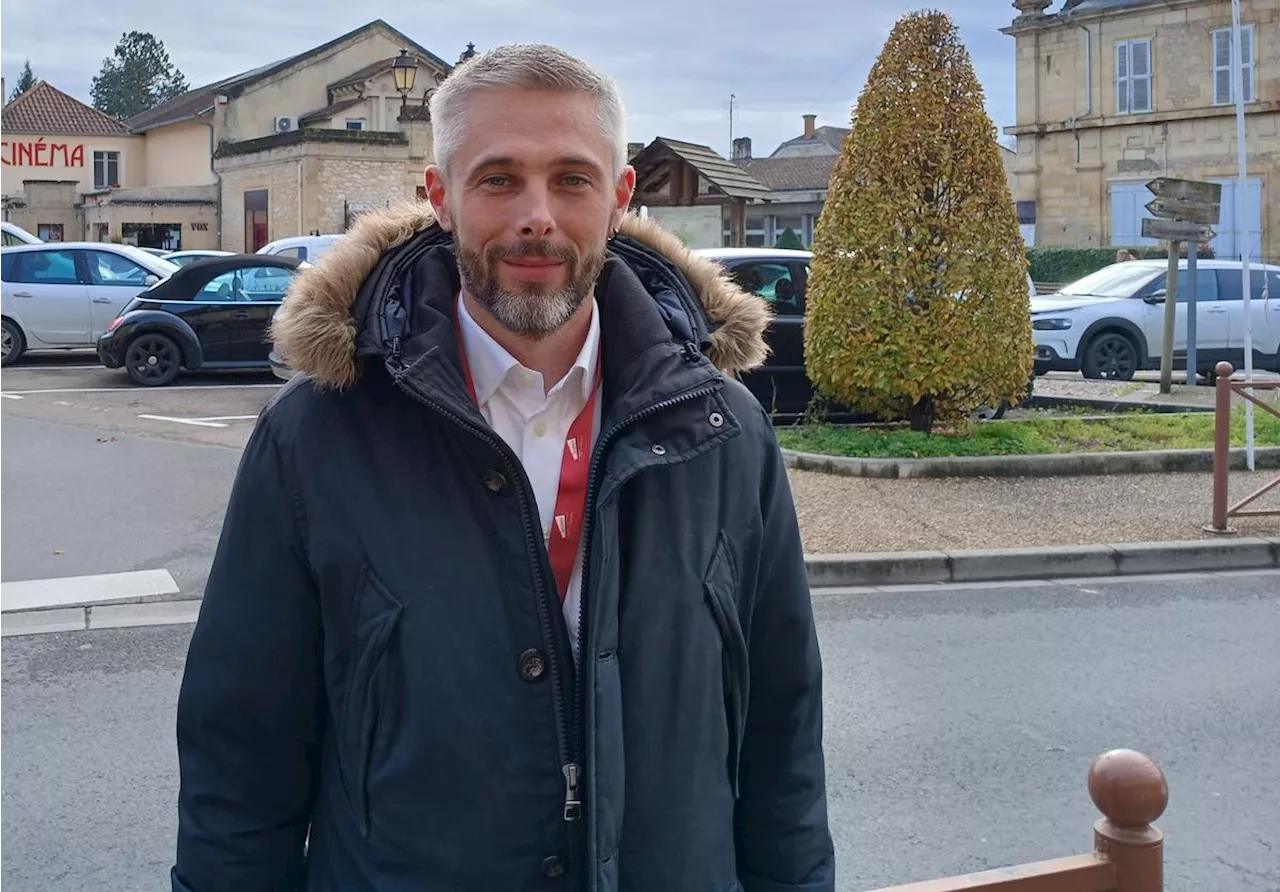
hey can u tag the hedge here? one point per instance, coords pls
(1062, 265)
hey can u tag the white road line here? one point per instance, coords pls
(139, 389)
(69, 591)
(225, 418)
(10, 396)
(192, 421)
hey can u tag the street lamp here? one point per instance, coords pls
(405, 71)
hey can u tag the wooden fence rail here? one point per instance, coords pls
(1128, 849)
(1222, 510)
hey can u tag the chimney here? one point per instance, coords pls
(742, 149)
(633, 149)
(808, 126)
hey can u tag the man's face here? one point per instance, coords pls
(530, 200)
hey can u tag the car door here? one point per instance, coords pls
(211, 313)
(1264, 311)
(1211, 318)
(781, 385)
(261, 290)
(114, 280)
(47, 293)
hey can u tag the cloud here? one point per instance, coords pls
(676, 62)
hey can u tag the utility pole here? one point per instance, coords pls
(731, 98)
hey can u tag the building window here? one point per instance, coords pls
(49, 232)
(1224, 85)
(355, 123)
(106, 170)
(1133, 77)
(104, 232)
(255, 220)
(165, 236)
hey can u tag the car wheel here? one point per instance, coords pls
(1111, 356)
(991, 413)
(12, 344)
(152, 359)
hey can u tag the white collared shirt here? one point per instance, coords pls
(535, 423)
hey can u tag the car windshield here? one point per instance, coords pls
(1117, 280)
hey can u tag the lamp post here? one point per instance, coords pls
(405, 71)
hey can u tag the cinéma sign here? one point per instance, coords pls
(40, 153)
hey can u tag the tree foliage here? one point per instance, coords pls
(136, 77)
(26, 80)
(917, 301)
(789, 240)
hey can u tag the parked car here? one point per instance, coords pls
(304, 247)
(182, 258)
(1110, 324)
(16, 235)
(209, 315)
(62, 295)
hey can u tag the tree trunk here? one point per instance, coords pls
(922, 415)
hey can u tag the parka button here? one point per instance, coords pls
(532, 664)
(494, 482)
(553, 866)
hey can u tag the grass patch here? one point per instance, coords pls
(1034, 436)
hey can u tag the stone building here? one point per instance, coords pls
(1113, 93)
(298, 146)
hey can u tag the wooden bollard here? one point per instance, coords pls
(1131, 792)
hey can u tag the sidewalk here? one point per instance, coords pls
(857, 514)
(1144, 390)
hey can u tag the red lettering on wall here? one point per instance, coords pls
(24, 153)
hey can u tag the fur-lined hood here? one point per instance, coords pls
(314, 332)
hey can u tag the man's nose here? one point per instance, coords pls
(535, 220)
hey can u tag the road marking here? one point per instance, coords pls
(211, 421)
(139, 390)
(10, 396)
(76, 591)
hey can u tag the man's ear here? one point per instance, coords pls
(626, 188)
(434, 178)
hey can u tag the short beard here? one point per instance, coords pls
(530, 312)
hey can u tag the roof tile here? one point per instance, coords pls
(46, 109)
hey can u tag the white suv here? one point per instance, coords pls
(1110, 324)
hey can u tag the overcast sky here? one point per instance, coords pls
(676, 61)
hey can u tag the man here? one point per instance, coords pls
(510, 593)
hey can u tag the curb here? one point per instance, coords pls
(1115, 405)
(999, 564)
(1058, 465)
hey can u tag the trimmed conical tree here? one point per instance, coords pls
(789, 240)
(917, 300)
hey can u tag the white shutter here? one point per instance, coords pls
(1246, 60)
(1140, 75)
(1122, 78)
(1222, 66)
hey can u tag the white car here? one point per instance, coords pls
(1110, 324)
(63, 295)
(304, 247)
(182, 258)
(16, 235)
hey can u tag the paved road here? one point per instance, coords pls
(961, 722)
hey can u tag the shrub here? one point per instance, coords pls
(918, 302)
(789, 240)
(1062, 265)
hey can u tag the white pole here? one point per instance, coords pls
(1242, 226)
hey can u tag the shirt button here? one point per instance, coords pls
(532, 665)
(553, 866)
(540, 429)
(494, 482)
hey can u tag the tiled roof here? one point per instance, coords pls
(729, 177)
(799, 174)
(324, 114)
(192, 103)
(831, 136)
(46, 109)
(376, 68)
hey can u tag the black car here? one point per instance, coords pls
(211, 314)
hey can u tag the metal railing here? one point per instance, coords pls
(1128, 849)
(1222, 510)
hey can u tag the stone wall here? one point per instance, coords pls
(47, 202)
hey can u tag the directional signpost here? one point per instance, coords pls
(1183, 211)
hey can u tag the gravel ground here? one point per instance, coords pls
(852, 514)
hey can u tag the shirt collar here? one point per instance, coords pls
(491, 363)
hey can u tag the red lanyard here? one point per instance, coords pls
(571, 497)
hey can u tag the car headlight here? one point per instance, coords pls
(1059, 324)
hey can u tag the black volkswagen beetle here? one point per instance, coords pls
(211, 314)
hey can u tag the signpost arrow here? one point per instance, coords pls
(1176, 230)
(1183, 209)
(1186, 190)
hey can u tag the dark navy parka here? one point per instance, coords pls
(380, 695)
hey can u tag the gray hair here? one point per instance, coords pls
(524, 67)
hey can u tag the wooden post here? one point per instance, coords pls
(1221, 447)
(738, 223)
(1131, 792)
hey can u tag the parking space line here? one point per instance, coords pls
(225, 418)
(37, 594)
(139, 390)
(10, 396)
(192, 421)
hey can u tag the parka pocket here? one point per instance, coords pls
(720, 586)
(375, 615)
